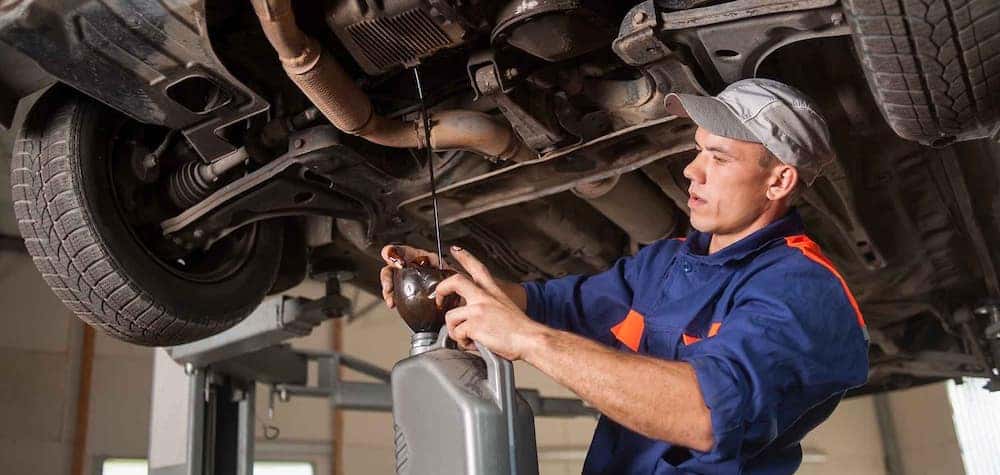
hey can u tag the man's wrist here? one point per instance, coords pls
(515, 292)
(538, 339)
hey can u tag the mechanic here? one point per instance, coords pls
(711, 354)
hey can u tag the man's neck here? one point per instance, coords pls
(770, 215)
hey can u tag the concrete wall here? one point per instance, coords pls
(925, 431)
(848, 442)
(39, 363)
(37, 400)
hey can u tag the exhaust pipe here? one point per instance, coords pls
(633, 203)
(346, 106)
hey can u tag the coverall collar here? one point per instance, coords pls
(696, 245)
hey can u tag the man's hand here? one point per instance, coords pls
(407, 254)
(489, 315)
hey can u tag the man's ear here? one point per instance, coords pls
(783, 180)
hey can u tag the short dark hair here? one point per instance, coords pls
(769, 160)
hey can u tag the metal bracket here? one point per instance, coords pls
(275, 320)
(735, 50)
(638, 42)
(992, 333)
(349, 395)
(139, 58)
(302, 181)
(489, 79)
(501, 80)
(729, 40)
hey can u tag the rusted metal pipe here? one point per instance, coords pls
(628, 101)
(633, 203)
(348, 108)
(570, 232)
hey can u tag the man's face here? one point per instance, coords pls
(728, 184)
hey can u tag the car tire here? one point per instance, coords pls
(81, 243)
(933, 65)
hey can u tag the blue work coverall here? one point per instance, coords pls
(772, 331)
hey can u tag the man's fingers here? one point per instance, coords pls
(456, 321)
(385, 276)
(461, 335)
(454, 317)
(457, 284)
(479, 273)
(393, 255)
(398, 254)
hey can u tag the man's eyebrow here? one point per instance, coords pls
(718, 149)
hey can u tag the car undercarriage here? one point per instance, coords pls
(221, 163)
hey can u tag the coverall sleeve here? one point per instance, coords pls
(782, 350)
(590, 305)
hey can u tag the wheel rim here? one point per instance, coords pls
(142, 205)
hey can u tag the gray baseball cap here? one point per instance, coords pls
(768, 112)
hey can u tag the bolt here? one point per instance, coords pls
(639, 18)
(837, 18)
(178, 241)
(149, 162)
(299, 143)
(198, 234)
(283, 395)
(189, 369)
(992, 311)
(511, 73)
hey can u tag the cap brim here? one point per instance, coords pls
(710, 114)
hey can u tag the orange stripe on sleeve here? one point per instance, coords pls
(712, 331)
(629, 330)
(811, 250)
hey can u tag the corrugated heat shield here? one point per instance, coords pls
(397, 40)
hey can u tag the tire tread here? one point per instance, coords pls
(933, 65)
(59, 235)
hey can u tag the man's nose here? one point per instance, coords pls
(694, 170)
